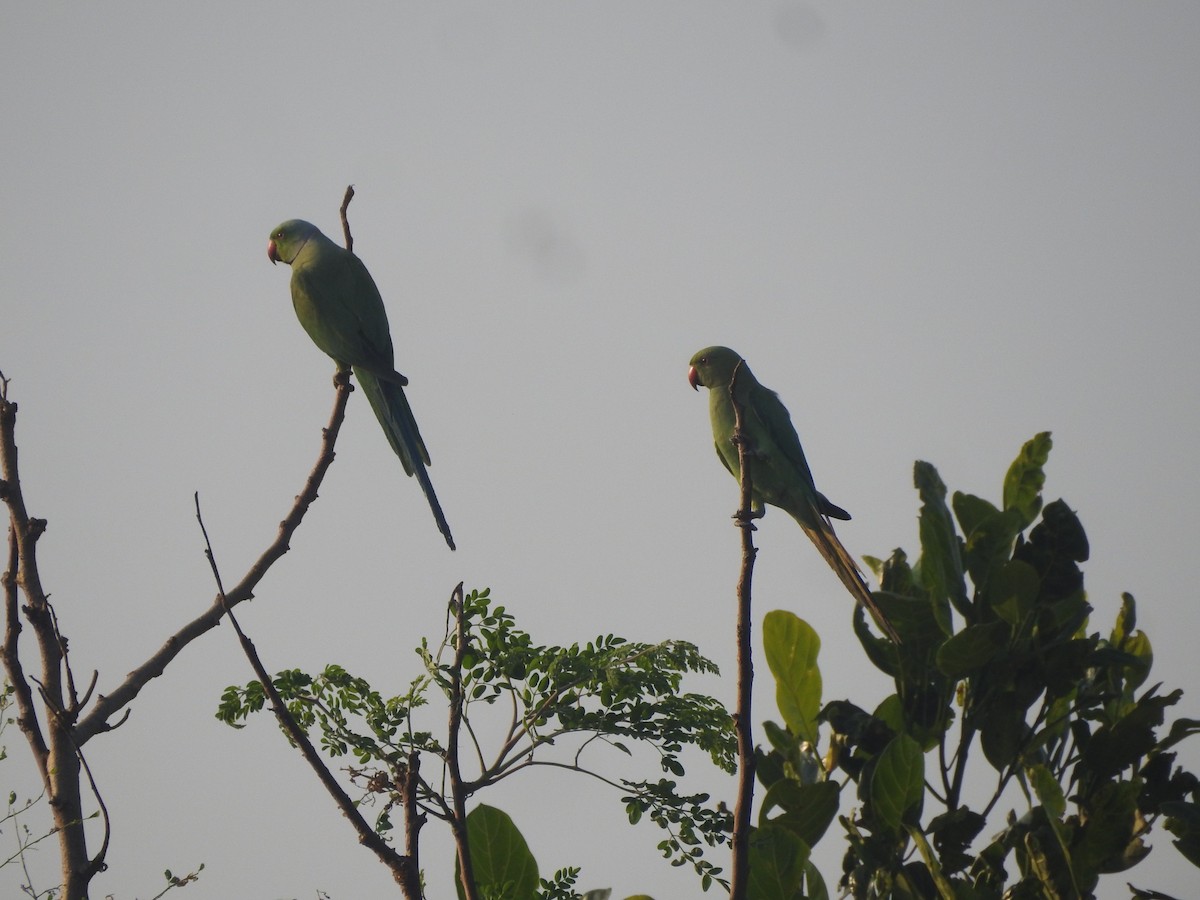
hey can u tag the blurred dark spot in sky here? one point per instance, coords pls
(536, 235)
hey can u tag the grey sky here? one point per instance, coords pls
(935, 229)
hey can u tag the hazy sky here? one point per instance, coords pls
(935, 229)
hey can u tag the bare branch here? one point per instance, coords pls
(740, 878)
(402, 870)
(27, 719)
(97, 864)
(345, 220)
(107, 705)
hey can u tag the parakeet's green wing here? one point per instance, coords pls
(774, 419)
(355, 333)
(777, 423)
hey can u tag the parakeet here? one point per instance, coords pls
(339, 306)
(779, 473)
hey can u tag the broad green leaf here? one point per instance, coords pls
(1040, 864)
(780, 738)
(890, 711)
(777, 859)
(914, 620)
(940, 567)
(898, 782)
(1180, 729)
(1107, 838)
(1138, 645)
(768, 767)
(1126, 620)
(502, 863)
(1125, 742)
(953, 832)
(1003, 731)
(1048, 791)
(807, 808)
(814, 884)
(1012, 591)
(973, 648)
(791, 647)
(894, 573)
(1183, 821)
(988, 535)
(1025, 478)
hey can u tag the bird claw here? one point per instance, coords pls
(746, 519)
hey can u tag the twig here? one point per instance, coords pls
(466, 874)
(402, 870)
(26, 715)
(345, 221)
(740, 879)
(107, 705)
(97, 864)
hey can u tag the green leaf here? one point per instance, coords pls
(791, 648)
(953, 832)
(940, 567)
(1180, 729)
(1107, 841)
(814, 884)
(973, 648)
(808, 809)
(1183, 821)
(777, 859)
(1126, 620)
(890, 712)
(988, 535)
(1048, 791)
(1138, 646)
(1025, 478)
(1012, 591)
(502, 862)
(1113, 748)
(1003, 730)
(945, 889)
(913, 618)
(898, 782)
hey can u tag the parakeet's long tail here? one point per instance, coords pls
(395, 415)
(843, 564)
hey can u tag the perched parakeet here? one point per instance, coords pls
(339, 306)
(779, 473)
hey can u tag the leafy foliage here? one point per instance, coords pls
(995, 662)
(609, 691)
(996, 673)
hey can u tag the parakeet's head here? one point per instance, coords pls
(712, 367)
(288, 239)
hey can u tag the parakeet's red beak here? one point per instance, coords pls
(272, 253)
(694, 378)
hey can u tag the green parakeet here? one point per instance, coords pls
(339, 306)
(779, 473)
